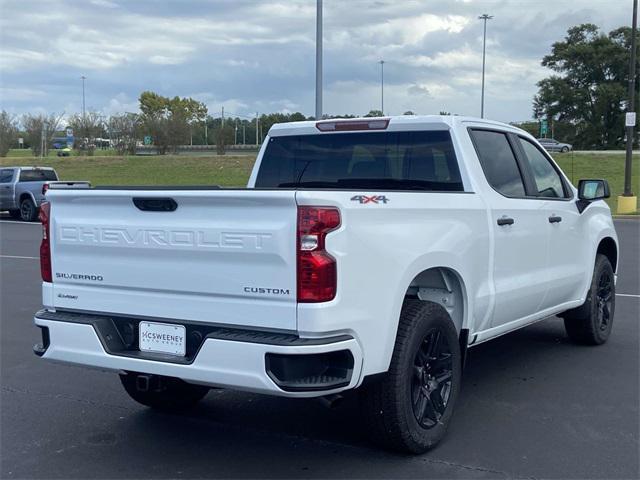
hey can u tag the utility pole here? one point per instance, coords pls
(43, 139)
(382, 86)
(257, 129)
(628, 202)
(206, 133)
(483, 17)
(223, 116)
(244, 132)
(318, 60)
(83, 110)
(631, 105)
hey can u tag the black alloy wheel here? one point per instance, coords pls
(432, 378)
(592, 322)
(604, 300)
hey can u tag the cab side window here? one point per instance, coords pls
(498, 162)
(547, 179)
(6, 175)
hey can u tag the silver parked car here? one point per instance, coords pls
(551, 145)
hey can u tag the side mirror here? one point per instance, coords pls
(593, 189)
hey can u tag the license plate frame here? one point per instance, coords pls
(165, 338)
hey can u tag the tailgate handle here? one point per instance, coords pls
(155, 204)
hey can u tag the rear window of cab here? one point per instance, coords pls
(417, 160)
(37, 175)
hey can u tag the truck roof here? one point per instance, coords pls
(25, 167)
(395, 123)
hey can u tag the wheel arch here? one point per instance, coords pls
(609, 248)
(442, 285)
(25, 195)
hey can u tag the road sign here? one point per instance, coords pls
(630, 119)
(544, 127)
(147, 139)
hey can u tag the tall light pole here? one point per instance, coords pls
(318, 59)
(627, 202)
(83, 79)
(382, 86)
(631, 104)
(483, 17)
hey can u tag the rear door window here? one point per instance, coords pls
(421, 160)
(37, 175)
(498, 162)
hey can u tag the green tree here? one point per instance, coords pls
(86, 128)
(170, 121)
(124, 131)
(8, 132)
(35, 126)
(374, 113)
(586, 94)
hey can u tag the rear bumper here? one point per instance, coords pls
(224, 359)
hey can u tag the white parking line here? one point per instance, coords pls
(627, 295)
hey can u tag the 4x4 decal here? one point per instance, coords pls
(362, 199)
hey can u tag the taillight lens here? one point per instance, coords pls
(45, 246)
(317, 275)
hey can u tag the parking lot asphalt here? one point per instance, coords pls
(532, 405)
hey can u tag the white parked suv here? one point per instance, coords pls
(364, 254)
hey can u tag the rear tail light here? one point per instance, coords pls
(45, 246)
(317, 275)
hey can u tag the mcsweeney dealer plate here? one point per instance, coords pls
(163, 338)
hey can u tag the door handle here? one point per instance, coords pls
(155, 204)
(505, 221)
(555, 219)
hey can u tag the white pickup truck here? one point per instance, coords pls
(364, 254)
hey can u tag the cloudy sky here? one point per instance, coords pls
(251, 55)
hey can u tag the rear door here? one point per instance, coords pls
(519, 229)
(223, 257)
(6, 188)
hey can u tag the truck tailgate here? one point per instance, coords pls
(221, 257)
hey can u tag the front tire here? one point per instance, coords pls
(591, 323)
(410, 408)
(28, 210)
(564, 149)
(162, 393)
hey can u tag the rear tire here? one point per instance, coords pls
(410, 408)
(591, 323)
(162, 393)
(28, 210)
